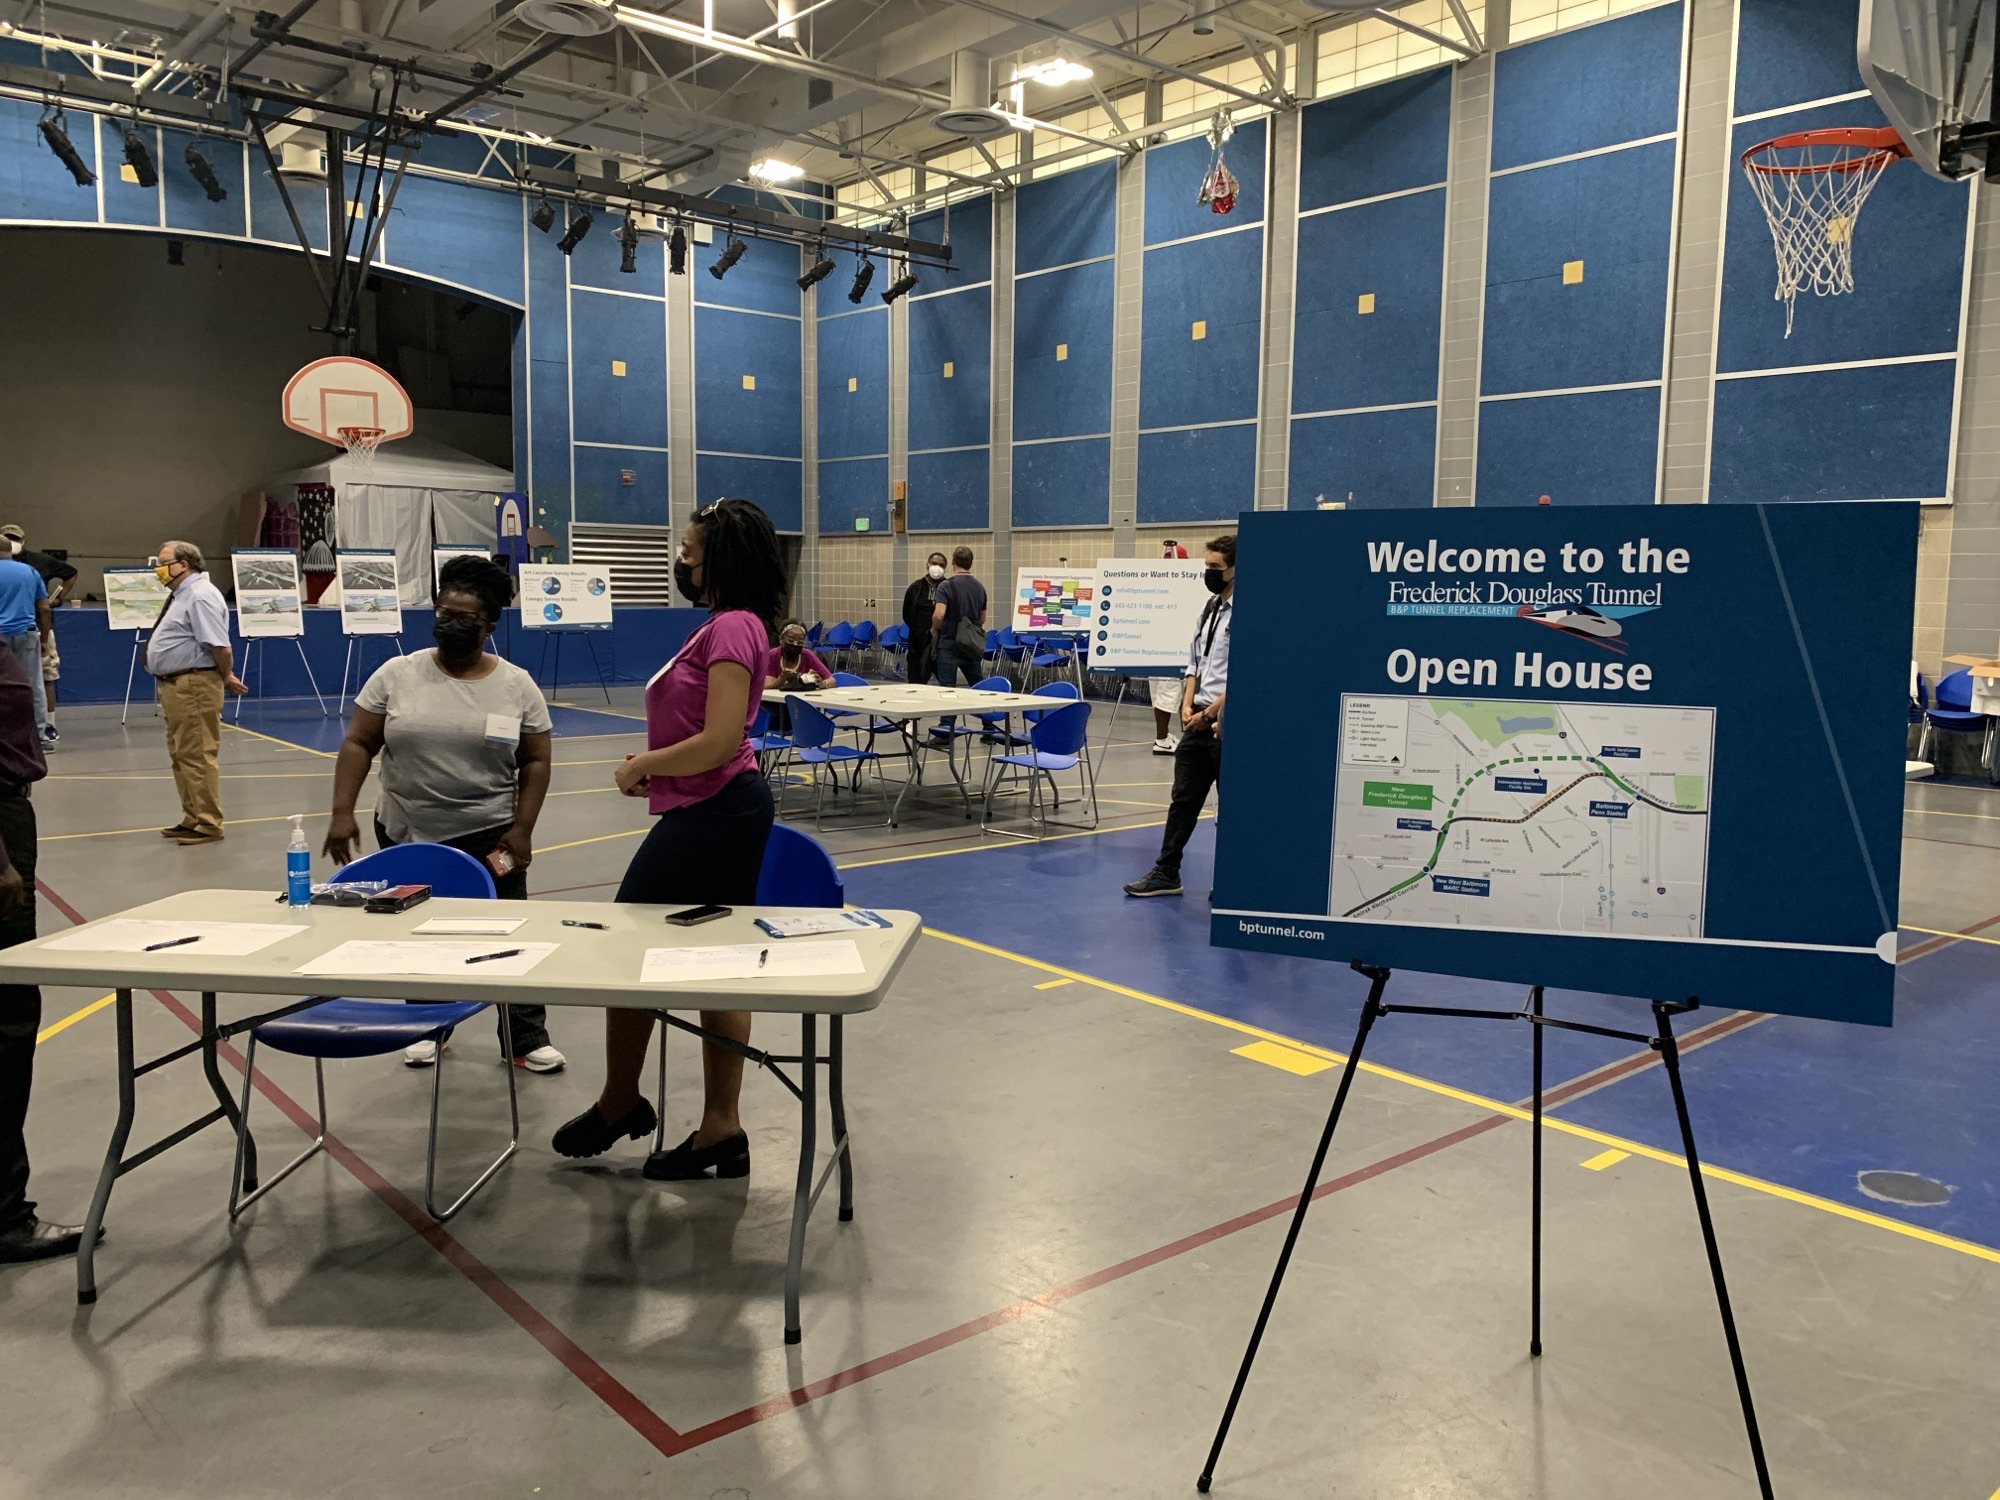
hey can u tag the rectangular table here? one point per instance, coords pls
(910, 703)
(591, 969)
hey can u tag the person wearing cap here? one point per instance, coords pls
(25, 626)
(59, 578)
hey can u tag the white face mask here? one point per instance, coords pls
(934, 572)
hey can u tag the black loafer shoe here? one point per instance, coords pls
(729, 1157)
(590, 1134)
(35, 1240)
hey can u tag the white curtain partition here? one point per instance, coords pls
(418, 493)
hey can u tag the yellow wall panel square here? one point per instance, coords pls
(1572, 272)
(1062, 351)
(947, 369)
(853, 383)
(1200, 329)
(1365, 303)
(749, 382)
(618, 367)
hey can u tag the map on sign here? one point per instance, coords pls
(1583, 818)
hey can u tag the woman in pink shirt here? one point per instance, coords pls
(714, 816)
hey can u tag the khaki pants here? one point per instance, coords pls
(192, 706)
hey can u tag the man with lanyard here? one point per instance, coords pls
(1198, 757)
(189, 656)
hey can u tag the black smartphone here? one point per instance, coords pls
(694, 916)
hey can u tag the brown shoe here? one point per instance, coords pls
(178, 831)
(197, 837)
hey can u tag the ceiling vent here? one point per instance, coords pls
(971, 112)
(302, 164)
(566, 17)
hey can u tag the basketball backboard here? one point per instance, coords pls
(1929, 64)
(331, 394)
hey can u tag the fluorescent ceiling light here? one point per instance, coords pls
(1052, 72)
(772, 170)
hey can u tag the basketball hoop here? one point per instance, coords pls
(1812, 186)
(361, 443)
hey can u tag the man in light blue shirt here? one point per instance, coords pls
(1198, 757)
(189, 657)
(24, 625)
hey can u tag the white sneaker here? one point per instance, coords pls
(542, 1060)
(420, 1055)
(1163, 747)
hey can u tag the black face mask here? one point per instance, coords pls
(1214, 579)
(684, 581)
(791, 651)
(459, 639)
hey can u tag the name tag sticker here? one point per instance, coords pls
(503, 730)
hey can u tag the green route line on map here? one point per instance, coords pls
(1437, 850)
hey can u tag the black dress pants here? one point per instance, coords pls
(1197, 763)
(20, 1019)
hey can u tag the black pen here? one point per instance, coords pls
(171, 943)
(593, 926)
(762, 954)
(481, 958)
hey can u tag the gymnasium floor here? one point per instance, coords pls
(1077, 1128)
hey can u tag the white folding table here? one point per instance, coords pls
(908, 704)
(590, 969)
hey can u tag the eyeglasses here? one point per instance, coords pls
(460, 617)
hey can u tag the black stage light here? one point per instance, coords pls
(902, 285)
(863, 274)
(139, 159)
(543, 216)
(731, 253)
(628, 247)
(52, 131)
(677, 251)
(204, 173)
(821, 269)
(573, 236)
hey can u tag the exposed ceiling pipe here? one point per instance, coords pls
(188, 47)
(1414, 29)
(730, 46)
(551, 43)
(1108, 49)
(787, 29)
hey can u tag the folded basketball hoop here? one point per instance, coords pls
(1812, 186)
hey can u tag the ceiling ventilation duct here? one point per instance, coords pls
(971, 112)
(302, 164)
(566, 17)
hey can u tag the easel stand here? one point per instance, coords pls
(250, 645)
(357, 647)
(555, 682)
(1661, 1041)
(132, 673)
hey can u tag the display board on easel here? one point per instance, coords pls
(444, 552)
(560, 600)
(1147, 610)
(1052, 603)
(134, 599)
(268, 607)
(369, 602)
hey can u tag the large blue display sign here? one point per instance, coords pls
(1644, 750)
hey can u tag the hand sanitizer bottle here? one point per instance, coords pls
(298, 865)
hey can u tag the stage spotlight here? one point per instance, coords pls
(52, 131)
(677, 250)
(203, 173)
(902, 285)
(731, 253)
(628, 247)
(573, 236)
(822, 268)
(544, 216)
(863, 274)
(139, 159)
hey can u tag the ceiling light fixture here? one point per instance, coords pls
(772, 170)
(901, 286)
(139, 159)
(573, 235)
(51, 127)
(863, 274)
(1053, 72)
(822, 267)
(731, 253)
(544, 215)
(628, 247)
(200, 169)
(677, 250)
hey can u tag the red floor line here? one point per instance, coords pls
(882, 1364)
(1701, 1036)
(1931, 945)
(599, 1381)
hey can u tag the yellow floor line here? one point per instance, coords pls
(1087, 833)
(1290, 1059)
(364, 814)
(273, 739)
(608, 712)
(602, 838)
(1054, 984)
(73, 1017)
(1962, 937)
(1605, 1159)
(1495, 1106)
(1939, 812)
(226, 776)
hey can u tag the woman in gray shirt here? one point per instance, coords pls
(464, 740)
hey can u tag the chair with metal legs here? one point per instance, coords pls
(1056, 743)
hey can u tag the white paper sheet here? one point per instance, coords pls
(470, 926)
(792, 960)
(430, 959)
(216, 939)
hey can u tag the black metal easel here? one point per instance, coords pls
(1661, 1041)
(555, 677)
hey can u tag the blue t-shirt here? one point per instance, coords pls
(20, 587)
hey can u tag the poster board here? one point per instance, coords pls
(1638, 750)
(559, 597)
(267, 592)
(369, 603)
(1147, 611)
(133, 598)
(1048, 603)
(444, 552)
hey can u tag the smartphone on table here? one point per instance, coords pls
(694, 916)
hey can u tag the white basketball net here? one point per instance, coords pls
(1812, 195)
(361, 443)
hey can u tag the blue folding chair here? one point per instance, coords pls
(1057, 743)
(1029, 717)
(1051, 654)
(814, 635)
(812, 745)
(1954, 715)
(763, 743)
(839, 640)
(864, 641)
(373, 1028)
